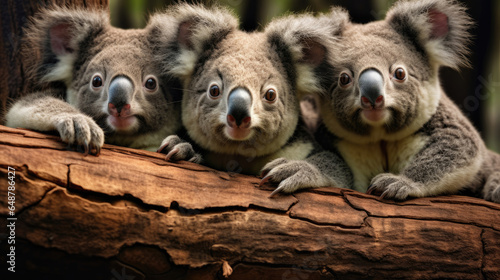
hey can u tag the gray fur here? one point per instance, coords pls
(179, 149)
(73, 126)
(422, 144)
(409, 18)
(490, 174)
(76, 44)
(210, 50)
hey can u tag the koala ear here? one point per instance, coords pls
(195, 28)
(438, 27)
(60, 39)
(303, 41)
(54, 38)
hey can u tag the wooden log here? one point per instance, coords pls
(128, 213)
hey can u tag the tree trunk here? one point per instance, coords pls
(128, 213)
(14, 16)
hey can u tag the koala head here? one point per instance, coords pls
(109, 73)
(384, 78)
(240, 89)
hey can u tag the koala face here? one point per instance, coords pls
(239, 99)
(385, 74)
(110, 73)
(383, 86)
(241, 89)
(120, 86)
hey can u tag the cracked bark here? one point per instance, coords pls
(130, 213)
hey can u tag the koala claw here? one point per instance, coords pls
(162, 147)
(277, 190)
(178, 149)
(264, 180)
(495, 195)
(97, 150)
(491, 189)
(383, 195)
(292, 175)
(81, 130)
(172, 153)
(370, 189)
(390, 186)
(86, 147)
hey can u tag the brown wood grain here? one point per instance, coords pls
(128, 211)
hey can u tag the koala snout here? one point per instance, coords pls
(120, 92)
(371, 87)
(238, 108)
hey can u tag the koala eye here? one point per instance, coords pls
(96, 82)
(400, 74)
(345, 80)
(150, 84)
(214, 91)
(270, 95)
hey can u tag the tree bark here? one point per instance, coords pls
(128, 213)
(14, 16)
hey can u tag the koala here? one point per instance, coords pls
(240, 105)
(384, 112)
(114, 89)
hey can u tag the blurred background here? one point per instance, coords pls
(475, 90)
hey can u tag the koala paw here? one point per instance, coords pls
(492, 188)
(394, 187)
(178, 149)
(81, 130)
(291, 175)
(494, 195)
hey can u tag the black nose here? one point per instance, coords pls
(371, 86)
(120, 93)
(239, 103)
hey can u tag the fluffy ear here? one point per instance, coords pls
(191, 30)
(438, 27)
(304, 40)
(54, 38)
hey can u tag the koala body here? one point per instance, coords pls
(240, 106)
(386, 114)
(113, 87)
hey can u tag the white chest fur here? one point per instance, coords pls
(371, 159)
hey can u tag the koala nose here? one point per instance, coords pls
(239, 103)
(371, 86)
(120, 92)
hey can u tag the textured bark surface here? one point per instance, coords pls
(14, 15)
(128, 213)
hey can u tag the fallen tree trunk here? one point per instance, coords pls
(128, 214)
